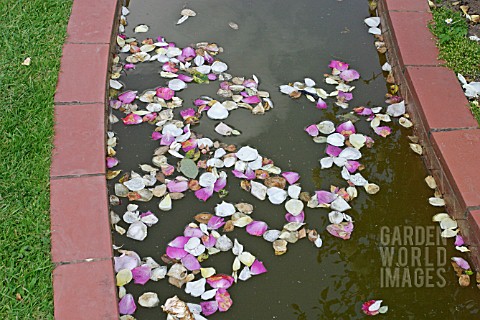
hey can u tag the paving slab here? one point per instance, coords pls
(83, 73)
(443, 104)
(85, 291)
(91, 21)
(458, 151)
(78, 144)
(413, 38)
(80, 223)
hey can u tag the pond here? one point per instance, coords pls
(281, 42)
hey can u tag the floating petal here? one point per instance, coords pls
(127, 305)
(257, 228)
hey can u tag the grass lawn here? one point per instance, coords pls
(36, 29)
(461, 54)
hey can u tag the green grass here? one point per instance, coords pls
(36, 29)
(461, 54)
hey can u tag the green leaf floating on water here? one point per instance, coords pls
(200, 77)
(189, 168)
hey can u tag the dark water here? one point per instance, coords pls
(281, 42)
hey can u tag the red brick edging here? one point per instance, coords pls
(83, 278)
(435, 100)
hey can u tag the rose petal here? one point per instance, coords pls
(257, 268)
(141, 274)
(223, 299)
(204, 194)
(127, 304)
(209, 307)
(220, 281)
(349, 75)
(291, 177)
(190, 262)
(256, 228)
(298, 218)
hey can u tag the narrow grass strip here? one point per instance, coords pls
(36, 29)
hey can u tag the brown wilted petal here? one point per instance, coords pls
(278, 182)
(302, 233)
(194, 185)
(312, 235)
(228, 227)
(203, 217)
(305, 196)
(244, 207)
(245, 184)
(464, 280)
(261, 174)
(280, 247)
(458, 270)
(177, 195)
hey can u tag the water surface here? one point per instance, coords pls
(284, 41)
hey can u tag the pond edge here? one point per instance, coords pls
(448, 132)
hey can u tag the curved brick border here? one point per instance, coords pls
(447, 129)
(83, 278)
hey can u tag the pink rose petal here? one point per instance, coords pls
(344, 96)
(215, 222)
(346, 128)
(168, 170)
(352, 165)
(312, 130)
(333, 151)
(176, 253)
(128, 260)
(252, 99)
(127, 96)
(349, 75)
(321, 104)
(209, 307)
(220, 281)
(257, 228)
(209, 241)
(220, 184)
(185, 78)
(141, 274)
(459, 241)
(129, 66)
(212, 76)
(187, 113)
(462, 263)
(179, 242)
(257, 268)
(223, 299)
(127, 304)
(366, 306)
(204, 194)
(190, 262)
(177, 186)
(325, 197)
(156, 135)
(165, 93)
(111, 162)
(192, 232)
(339, 65)
(383, 131)
(298, 218)
(132, 119)
(291, 176)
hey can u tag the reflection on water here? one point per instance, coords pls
(282, 41)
